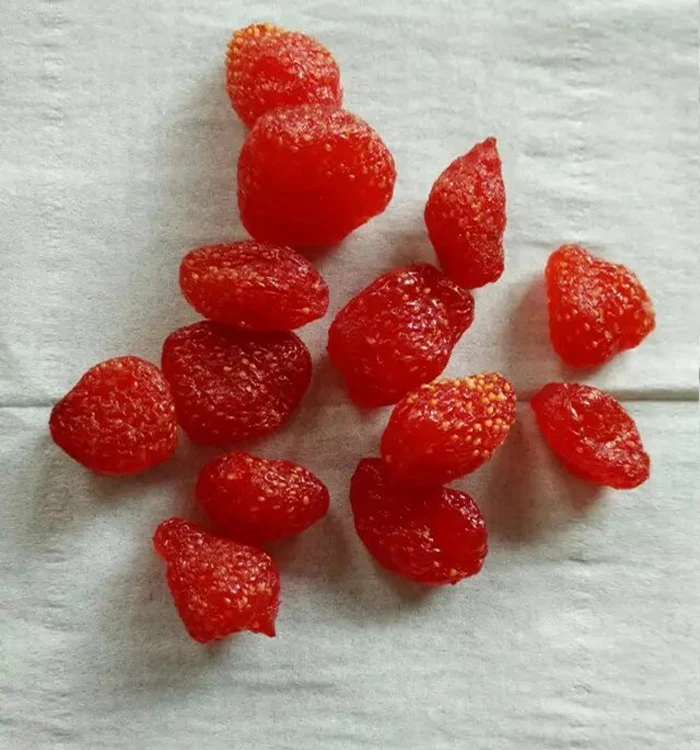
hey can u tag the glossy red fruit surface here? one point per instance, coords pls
(259, 499)
(434, 535)
(230, 385)
(596, 308)
(466, 217)
(308, 176)
(118, 419)
(269, 67)
(592, 434)
(253, 286)
(398, 333)
(448, 428)
(219, 586)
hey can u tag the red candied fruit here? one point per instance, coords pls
(258, 499)
(118, 419)
(253, 285)
(268, 67)
(398, 333)
(466, 217)
(434, 535)
(308, 176)
(219, 586)
(230, 385)
(448, 428)
(596, 308)
(592, 434)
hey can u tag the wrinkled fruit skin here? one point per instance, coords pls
(466, 217)
(398, 333)
(230, 385)
(592, 434)
(258, 499)
(254, 286)
(118, 419)
(219, 586)
(596, 308)
(268, 67)
(434, 535)
(448, 428)
(309, 176)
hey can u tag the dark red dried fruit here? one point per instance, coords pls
(118, 419)
(230, 385)
(258, 499)
(448, 428)
(398, 333)
(253, 285)
(268, 67)
(466, 217)
(596, 308)
(219, 586)
(308, 176)
(592, 434)
(433, 535)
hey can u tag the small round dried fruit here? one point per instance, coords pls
(269, 67)
(592, 434)
(596, 308)
(253, 285)
(258, 499)
(219, 586)
(448, 428)
(433, 535)
(230, 385)
(466, 217)
(398, 333)
(118, 419)
(308, 176)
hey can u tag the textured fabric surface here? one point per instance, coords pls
(117, 155)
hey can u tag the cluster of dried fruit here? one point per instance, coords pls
(310, 173)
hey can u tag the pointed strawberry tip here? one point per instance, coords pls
(168, 535)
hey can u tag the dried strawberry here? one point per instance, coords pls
(433, 535)
(398, 333)
(258, 499)
(118, 419)
(466, 216)
(308, 176)
(592, 434)
(596, 308)
(448, 428)
(253, 285)
(219, 586)
(230, 385)
(268, 67)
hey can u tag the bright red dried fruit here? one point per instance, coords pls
(118, 419)
(398, 333)
(434, 535)
(268, 67)
(448, 428)
(259, 499)
(466, 217)
(596, 308)
(219, 586)
(253, 285)
(592, 434)
(230, 385)
(308, 176)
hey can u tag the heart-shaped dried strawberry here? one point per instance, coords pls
(230, 385)
(596, 308)
(219, 586)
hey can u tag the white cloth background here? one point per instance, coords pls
(117, 155)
